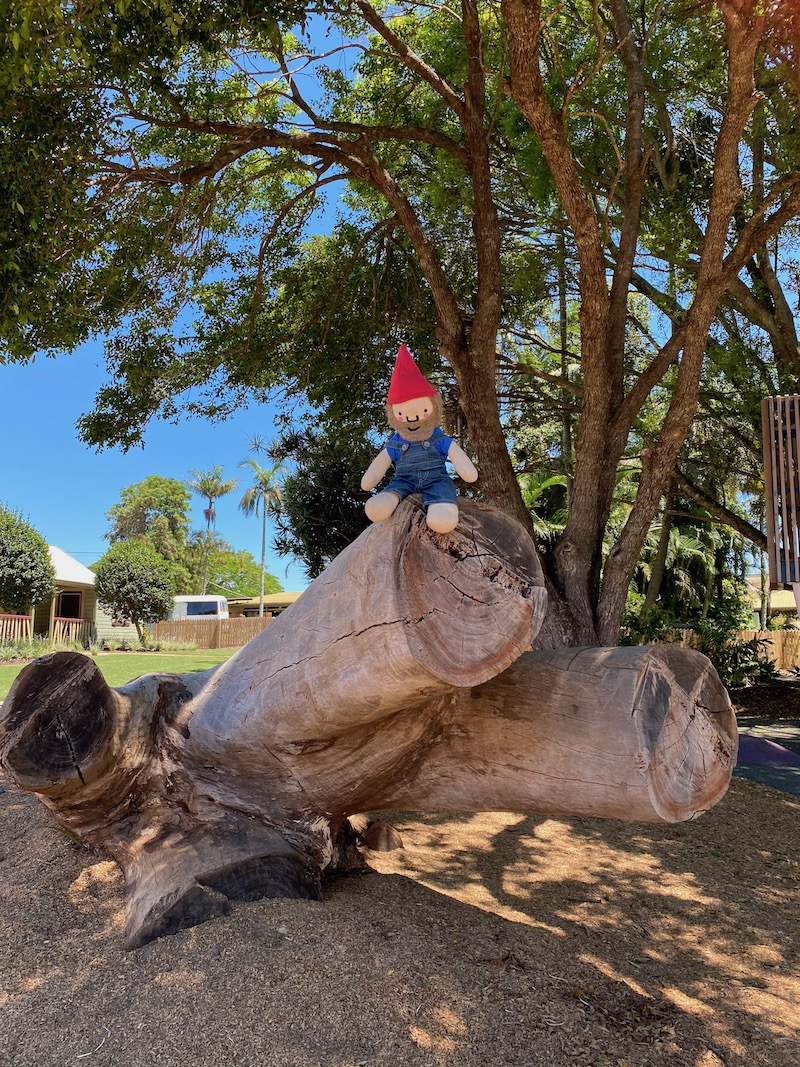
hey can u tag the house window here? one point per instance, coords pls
(69, 605)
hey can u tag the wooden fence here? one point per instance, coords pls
(211, 633)
(14, 628)
(782, 646)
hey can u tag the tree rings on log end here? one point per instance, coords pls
(687, 732)
(58, 716)
(474, 598)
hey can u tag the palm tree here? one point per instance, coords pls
(549, 518)
(263, 496)
(209, 484)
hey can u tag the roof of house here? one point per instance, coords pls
(271, 600)
(782, 600)
(69, 570)
(779, 599)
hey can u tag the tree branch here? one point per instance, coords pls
(756, 233)
(659, 462)
(561, 383)
(488, 295)
(720, 512)
(633, 191)
(411, 60)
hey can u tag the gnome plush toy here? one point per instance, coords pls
(418, 451)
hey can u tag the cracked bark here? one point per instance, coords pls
(400, 678)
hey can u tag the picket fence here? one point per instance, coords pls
(204, 633)
(74, 631)
(14, 628)
(211, 633)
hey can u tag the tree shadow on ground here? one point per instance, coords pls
(386, 972)
(702, 915)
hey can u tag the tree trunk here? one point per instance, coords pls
(263, 559)
(396, 680)
(641, 733)
(659, 567)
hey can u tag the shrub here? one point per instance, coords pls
(173, 646)
(26, 570)
(134, 582)
(27, 650)
(737, 662)
(647, 624)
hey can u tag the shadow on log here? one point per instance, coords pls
(399, 679)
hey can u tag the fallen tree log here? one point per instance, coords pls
(397, 680)
(643, 734)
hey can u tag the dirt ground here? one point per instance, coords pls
(491, 939)
(773, 698)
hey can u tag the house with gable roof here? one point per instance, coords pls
(74, 614)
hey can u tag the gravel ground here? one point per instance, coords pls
(488, 940)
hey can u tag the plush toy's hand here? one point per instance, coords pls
(376, 470)
(464, 467)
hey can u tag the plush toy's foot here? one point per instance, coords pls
(381, 506)
(442, 518)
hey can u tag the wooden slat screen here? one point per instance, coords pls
(780, 421)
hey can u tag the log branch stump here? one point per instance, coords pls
(399, 679)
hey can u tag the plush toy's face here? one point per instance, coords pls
(415, 420)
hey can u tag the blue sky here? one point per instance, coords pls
(64, 489)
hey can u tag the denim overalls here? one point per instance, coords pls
(420, 468)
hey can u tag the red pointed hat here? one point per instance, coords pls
(408, 382)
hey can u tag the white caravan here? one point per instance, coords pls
(200, 607)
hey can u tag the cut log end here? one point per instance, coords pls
(474, 598)
(374, 835)
(687, 732)
(56, 722)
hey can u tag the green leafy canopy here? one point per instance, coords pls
(26, 570)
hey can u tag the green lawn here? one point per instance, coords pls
(121, 667)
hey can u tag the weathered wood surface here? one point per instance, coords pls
(645, 734)
(397, 680)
